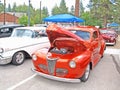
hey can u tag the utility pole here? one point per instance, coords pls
(40, 11)
(4, 12)
(77, 7)
(29, 14)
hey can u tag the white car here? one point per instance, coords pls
(22, 43)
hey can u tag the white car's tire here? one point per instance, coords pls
(18, 58)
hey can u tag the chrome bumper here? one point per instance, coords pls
(110, 43)
(5, 60)
(57, 78)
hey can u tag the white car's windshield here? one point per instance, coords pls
(22, 33)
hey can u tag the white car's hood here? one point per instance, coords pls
(14, 42)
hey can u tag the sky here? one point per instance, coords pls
(47, 3)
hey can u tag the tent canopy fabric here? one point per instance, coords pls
(113, 24)
(63, 18)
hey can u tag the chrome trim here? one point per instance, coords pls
(57, 78)
(5, 60)
(51, 58)
(42, 66)
(110, 43)
(51, 64)
(27, 46)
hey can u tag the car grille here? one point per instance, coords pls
(59, 71)
(107, 41)
(51, 62)
(43, 67)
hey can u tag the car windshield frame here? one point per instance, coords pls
(85, 35)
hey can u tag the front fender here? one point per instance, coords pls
(84, 59)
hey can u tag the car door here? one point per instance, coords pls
(95, 47)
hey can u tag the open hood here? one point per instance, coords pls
(54, 32)
(66, 46)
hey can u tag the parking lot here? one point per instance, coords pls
(105, 76)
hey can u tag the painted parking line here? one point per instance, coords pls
(22, 82)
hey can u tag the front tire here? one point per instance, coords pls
(114, 42)
(18, 58)
(86, 74)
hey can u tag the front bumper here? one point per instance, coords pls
(5, 60)
(57, 78)
(110, 43)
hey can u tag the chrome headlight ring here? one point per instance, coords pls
(34, 57)
(72, 64)
(1, 50)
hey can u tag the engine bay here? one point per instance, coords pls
(65, 50)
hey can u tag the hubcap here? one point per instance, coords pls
(87, 71)
(19, 57)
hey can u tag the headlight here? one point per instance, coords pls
(72, 64)
(1, 50)
(34, 57)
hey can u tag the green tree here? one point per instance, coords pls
(115, 12)
(81, 8)
(34, 14)
(37, 18)
(14, 7)
(90, 20)
(23, 20)
(62, 9)
(72, 10)
(44, 12)
(1, 7)
(104, 11)
(22, 8)
(55, 10)
(9, 8)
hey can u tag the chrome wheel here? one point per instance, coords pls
(87, 72)
(85, 77)
(18, 58)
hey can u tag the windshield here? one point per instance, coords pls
(22, 33)
(103, 31)
(82, 34)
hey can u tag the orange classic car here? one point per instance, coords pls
(74, 51)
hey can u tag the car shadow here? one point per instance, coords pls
(116, 63)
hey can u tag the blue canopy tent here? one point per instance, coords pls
(113, 24)
(63, 18)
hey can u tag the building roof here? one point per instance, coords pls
(17, 14)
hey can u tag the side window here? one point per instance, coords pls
(5, 30)
(95, 35)
(37, 35)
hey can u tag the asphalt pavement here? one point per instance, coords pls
(105, 76)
